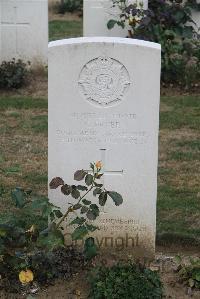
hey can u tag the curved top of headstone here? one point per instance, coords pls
(114, 40)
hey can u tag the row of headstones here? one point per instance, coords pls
(24, 26)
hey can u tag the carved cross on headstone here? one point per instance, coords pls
(105, 171)
(16, 25)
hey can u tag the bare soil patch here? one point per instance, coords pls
(63, 17)
(36, 86)
(78, 287)
(170, 90)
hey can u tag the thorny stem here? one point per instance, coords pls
(70, 209)
(86, 193)
(64, 216)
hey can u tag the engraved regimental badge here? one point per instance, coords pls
(104, 81)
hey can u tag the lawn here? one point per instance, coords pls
(179, 168)
(23, 159)
(59, 29)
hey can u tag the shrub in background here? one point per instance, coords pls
(13, 73)
(69, 6)
(170, 24)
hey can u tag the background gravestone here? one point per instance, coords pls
(104, 105)
(24, 30)
(196, 19)
(96, 14)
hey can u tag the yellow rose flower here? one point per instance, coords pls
(26, 276)
(131, 21)
(31, 229)
(98, 164)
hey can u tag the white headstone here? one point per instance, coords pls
(97, 13)
(24, 30)
(196, 19)
(0, 32)
(104, 105)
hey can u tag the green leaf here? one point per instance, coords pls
(121, 24)
(75, 193)
(18, 197)
(42, 204)
(79, 233)
(84, 210)
(98, 185)
(90, 215)
(77, 206)
(178, 259)
(92, 166)
(82, 188)
(89, 179)
(97, 191)
(3, 230)
(79, 175)
(116, 197)
(78, 220)
(94, 207)
(103, 198)
(93, 213)
(86, 202)
(58, 213)
(56, 182)
(91, 227)
(66, 189)
(90, 248)
(52, 216)
(197, 276)
(111, 24)
(54, 239)
(191, 282)
(188, 31)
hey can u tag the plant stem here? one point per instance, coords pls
(86, 193)
(70, 209)
(64, 216)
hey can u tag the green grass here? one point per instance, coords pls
(39, 124)
(64, 29)
(184, 112)
(177, 212)
(178, 207)
(19, 102)
(190, 144)
(36, 178)
(13, 169)
(181, 156)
